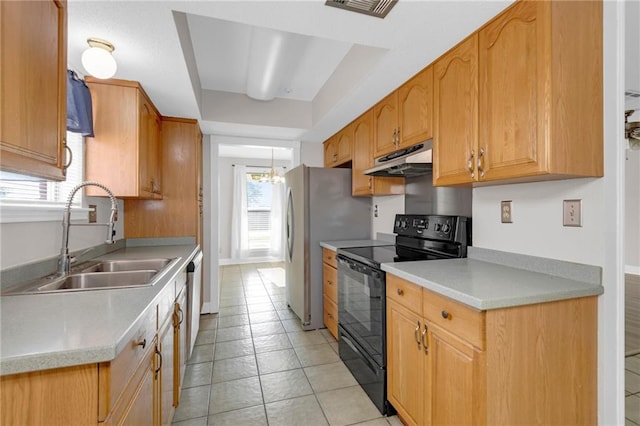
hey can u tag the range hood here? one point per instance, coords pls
(415, 160)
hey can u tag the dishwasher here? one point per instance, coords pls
(194, 295)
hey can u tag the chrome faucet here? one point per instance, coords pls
(64, 263)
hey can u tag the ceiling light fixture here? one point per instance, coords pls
(97, 60)
(273, 177)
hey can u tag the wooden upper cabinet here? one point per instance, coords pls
(540, 70)
(521, 99)
(455, 99)
(385, 124)
(337, 149)
(181, 170)
(415, 109)
(33, 102)
(127, 137)
(363, 160)
(405, 117)
(330, 152)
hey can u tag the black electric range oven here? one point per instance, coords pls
(362, 292)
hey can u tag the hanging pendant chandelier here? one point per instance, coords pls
(273, 177)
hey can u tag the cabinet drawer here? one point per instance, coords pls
(329, 257)
(330, 282)
(407, 294)
(114, 376)
(331, 316)
(458, 319)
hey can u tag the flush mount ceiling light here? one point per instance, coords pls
(377, 8)
(97, 59)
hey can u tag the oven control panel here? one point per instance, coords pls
(427, 226)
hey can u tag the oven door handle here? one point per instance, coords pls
(358, 267)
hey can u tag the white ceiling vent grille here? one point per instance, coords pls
(377, 8)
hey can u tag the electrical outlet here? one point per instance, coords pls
(506, 211)
(93, 214)
(572, 213)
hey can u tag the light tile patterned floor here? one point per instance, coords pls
(254, 365)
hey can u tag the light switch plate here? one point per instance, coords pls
(506, 210)
(572, 213)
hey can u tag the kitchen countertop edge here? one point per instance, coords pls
(335, 245)
(29, 360)
(485, 285)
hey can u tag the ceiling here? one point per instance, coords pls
(193, 57)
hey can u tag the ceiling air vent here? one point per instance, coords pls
(377, 8)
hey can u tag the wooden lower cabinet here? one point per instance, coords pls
(455, 365)
(330, 290)
(406, 363)
(166, 350)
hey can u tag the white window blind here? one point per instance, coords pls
(23, 199)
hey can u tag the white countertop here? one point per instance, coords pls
(484, 285)
(335, 245)
(42, 331)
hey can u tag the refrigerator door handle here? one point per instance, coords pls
(290, 222)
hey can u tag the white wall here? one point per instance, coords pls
(311, 154)
(388, 207)
(34, 241)
(225, 173)
(537, 220)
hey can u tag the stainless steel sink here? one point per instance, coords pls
(96, 280)
(100, 275)
(124, 265)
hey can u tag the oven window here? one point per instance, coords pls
(361, 309)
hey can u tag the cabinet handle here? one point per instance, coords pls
(446, 315)
(398, 137)
(424, 340)
(480, 163)
(395, 131)
(142, 343)
(329, 315)
(416, 334)
(369, 183)
(329, 282)
(400, 292)
(180, 315)
(159, 366)
(470, 164)
(69, 160)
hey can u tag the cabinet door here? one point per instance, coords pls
(454, 380)
(385, 125)
(362, 184)
(180, 345)
(344, 143)
(455, 114)
(512, 52)
(33, 52)
(330, 152)
(415, 109)
(165, 338)
(405, 363)
(141, 408)
(146, 146)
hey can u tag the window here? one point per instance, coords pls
(23, 199)
(259, 192)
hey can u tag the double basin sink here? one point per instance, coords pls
(100, 274)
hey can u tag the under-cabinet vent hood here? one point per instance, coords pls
(415, 160)
(377, 8)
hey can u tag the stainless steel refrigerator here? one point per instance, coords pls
(319, 208)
